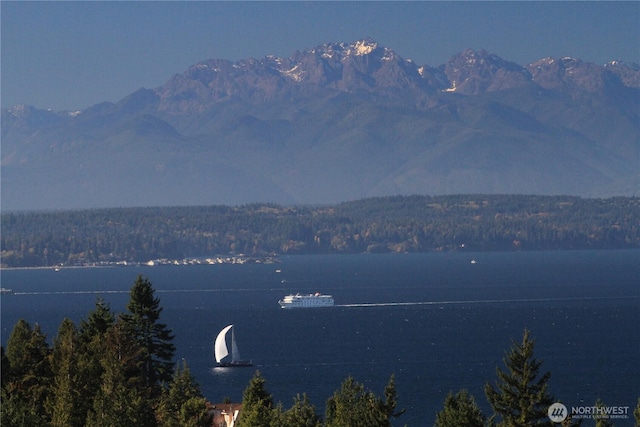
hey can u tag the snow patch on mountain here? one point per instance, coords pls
(19, 110)
(364, 47)
(296, 73)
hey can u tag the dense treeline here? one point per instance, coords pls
(112, 370)
(386, 224)
(117, 370)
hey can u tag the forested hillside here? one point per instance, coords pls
(386, 224)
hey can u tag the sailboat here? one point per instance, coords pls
(222, 351)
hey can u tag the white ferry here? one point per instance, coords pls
(306, 301)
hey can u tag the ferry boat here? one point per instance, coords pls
(306, 301)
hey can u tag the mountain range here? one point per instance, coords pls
(338, 122)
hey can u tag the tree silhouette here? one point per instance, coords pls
(257, 404)
(520, 398)
(354, 406)
(155, 364)
(301, 414)
(460, 409)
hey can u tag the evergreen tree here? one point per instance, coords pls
(344, 408)
(120, 401)
(354, 406)
(301, 414)
(99, 320)
(182, 404)
(17, 353)
(65, 405)
(460, 409)
(155, 365)
(6, 367)
(92, 337)
(391, 399)
(521, 398)
(25, 393)
(194, 413)
(601, 421)
(16, 410)
(257, 404)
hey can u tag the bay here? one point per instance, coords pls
(438, 322)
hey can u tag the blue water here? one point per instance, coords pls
(436, 321)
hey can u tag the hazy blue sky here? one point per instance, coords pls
(70, 55)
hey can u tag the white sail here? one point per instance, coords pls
(235, 354)
(221, 344)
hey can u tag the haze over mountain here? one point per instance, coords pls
(339, 122)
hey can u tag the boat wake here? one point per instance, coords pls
(71, 292)
(487, 301)
(158, 291)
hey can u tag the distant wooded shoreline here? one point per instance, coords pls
(105, 237)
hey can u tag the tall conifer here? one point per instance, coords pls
(182, 404)
(121, 400)
(66, 403)
(460, 409)
(354, 406)
(92, 336)
(25, 394)
(521, 397)
(257, 404)
(155, 365)
(98, 321)
(6, 367)
(301, 414)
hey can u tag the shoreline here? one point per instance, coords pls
(56, 269)
(272, 259)
(214, 260)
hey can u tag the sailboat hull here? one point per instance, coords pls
(236, 364)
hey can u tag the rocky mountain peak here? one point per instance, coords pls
(363, 65)
(472, 72)
(574, 76)
(340, 51)
(364, 47)
(21, 110)
(628, 73)
(336, 122)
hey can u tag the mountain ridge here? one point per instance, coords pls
(337, 122)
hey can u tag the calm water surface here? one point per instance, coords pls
(438, 322)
